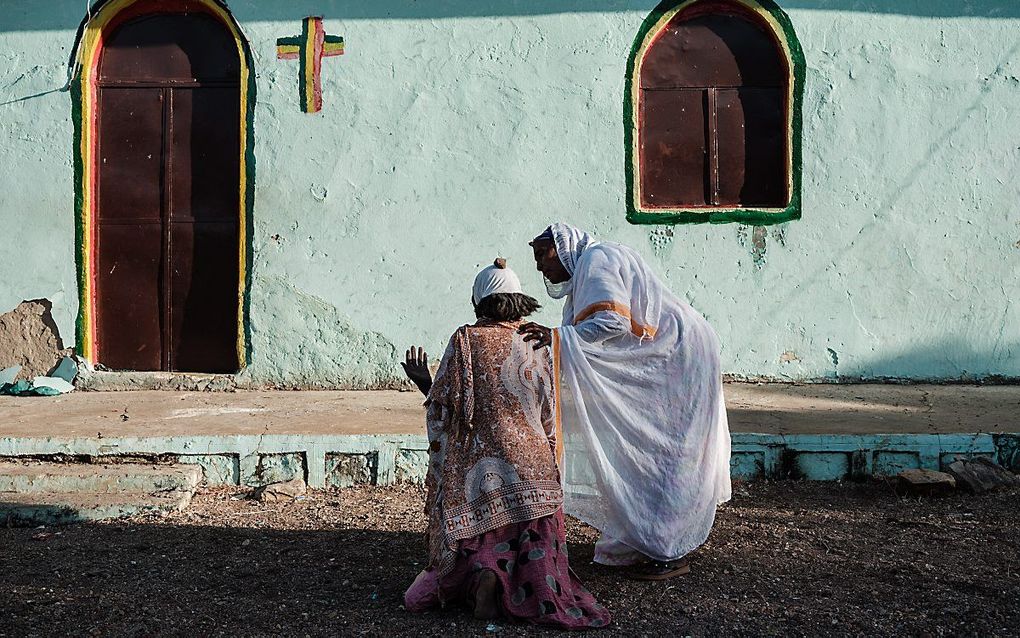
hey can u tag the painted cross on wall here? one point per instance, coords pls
(309, 48)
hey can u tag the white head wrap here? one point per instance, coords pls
(493, 279)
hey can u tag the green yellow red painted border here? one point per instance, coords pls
(782, 29)
(105, 16)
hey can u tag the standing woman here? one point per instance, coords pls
(641, 400)
(496, 537)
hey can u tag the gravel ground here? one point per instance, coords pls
(785, 558)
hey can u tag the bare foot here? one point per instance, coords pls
(486, 605)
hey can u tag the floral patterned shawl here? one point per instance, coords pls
(491, 428)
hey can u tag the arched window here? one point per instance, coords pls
(713, 127)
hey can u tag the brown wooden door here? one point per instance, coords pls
(168, 176)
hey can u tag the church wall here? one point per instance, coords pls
(450, 136)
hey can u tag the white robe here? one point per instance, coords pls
(645, 434)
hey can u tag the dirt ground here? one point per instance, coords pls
(785, 558)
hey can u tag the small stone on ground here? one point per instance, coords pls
(981, 474)
(283, 491)
(920, 482)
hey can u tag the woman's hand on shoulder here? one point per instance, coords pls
(537, 333)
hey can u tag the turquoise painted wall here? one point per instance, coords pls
(452, 132)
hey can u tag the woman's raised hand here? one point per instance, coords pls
(416, 367)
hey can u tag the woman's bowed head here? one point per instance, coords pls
(547, 262)
(547, 259)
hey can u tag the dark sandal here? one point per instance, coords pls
(656, 570)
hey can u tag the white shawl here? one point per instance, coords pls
(646, 440)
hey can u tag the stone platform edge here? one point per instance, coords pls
(346, 460)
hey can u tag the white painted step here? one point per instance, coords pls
(83, 478)
(61, 508)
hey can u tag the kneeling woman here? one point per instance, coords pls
(495, 534)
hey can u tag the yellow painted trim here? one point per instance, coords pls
(309, 53)
(653, 33)
(88, 59)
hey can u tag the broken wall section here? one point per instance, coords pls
(29, 337)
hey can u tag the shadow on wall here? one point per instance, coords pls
(33, 16)
(951, 360)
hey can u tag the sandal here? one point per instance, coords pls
(656, 570)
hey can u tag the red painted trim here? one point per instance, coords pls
(319, 37)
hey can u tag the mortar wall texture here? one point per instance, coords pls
(454, 132)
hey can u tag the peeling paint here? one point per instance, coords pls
(758, 237)
(756, 243)
(779, 234)
(661, 240)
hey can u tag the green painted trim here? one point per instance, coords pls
(79, 207)
(249, 205)
(333, 39)
(752, 217)
(294, 40)
(302, 66)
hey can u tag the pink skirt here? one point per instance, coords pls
(530, 562)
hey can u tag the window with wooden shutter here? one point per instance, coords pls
(714, 86)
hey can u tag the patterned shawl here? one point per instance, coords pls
(491, 428)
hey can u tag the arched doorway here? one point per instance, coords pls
(164, 138)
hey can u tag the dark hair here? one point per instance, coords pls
(506, 306)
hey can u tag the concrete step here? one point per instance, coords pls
(42, 508)
(81, 478)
